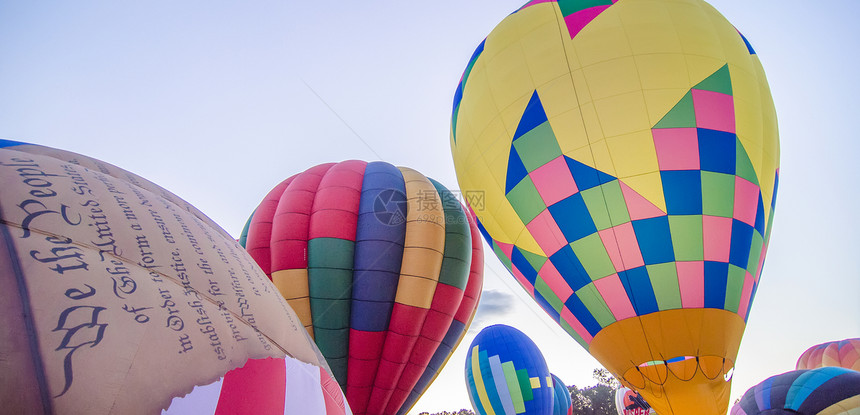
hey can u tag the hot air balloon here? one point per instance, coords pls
(266, 386)
(119, 296)
(506, 374)
(821, 391)
(562, 404)
(383, 267)
(628, 156)
(845, 353)
(628, 402)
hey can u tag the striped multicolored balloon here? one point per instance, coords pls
(844, 353)
(821, 391)
(506, 374)
(382, 265)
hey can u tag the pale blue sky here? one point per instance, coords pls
(218, 101)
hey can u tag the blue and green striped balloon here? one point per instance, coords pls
(506, 374)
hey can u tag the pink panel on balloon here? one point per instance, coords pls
(507, 249)
(630, 252)
(615, 296)
(714, 110)
(334, 404)
(576, 22)
(546, 232)
(257, 387)
(523, 280)
(746, 293)
(691, 281)
(554, 181)
(567, 316)
(717, 235)
(607, 236)
(637, 205)
(746, 201)
(555, 281)
(677, 148)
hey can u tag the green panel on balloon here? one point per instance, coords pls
(615, 203)
(548, 295)
(330, 283)
(573, 333)
(454, 272)
(718, 194)
(458, 244)
(687, 237)
(501, 255)
(526, 200)
(536, 261)
(719, 81)
(330, 314)
(525, 385)
(734, 287)
(606, 205)
(743, 165)
(569, 7)
(664, 281)
(537, 147)
(330, 253)
(513, 382)
(592, 254)
(596, 306)
(333, 343)
(682, 115)
(755, 252)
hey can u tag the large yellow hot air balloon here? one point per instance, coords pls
(628, 154)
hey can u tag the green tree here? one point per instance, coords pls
(598, 399)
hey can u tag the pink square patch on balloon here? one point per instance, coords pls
(746, 201)
(691, 281)
(555, 281)
(717, 235)
(613, 292)
(746, 294)
(714, 110)
(547, 233)
(577, 21)
(677, 148)
(621, 244)
(567, 316)
(553, 181)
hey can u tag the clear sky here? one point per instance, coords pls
(218, 101)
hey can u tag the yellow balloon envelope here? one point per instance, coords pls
(622, 160)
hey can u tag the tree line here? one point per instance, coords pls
(598, 399)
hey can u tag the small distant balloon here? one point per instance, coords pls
(843, 353)
(506, 374)
(821, 391)
(629, 402)
(383, 266)
(562, 404)
(117, 296)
